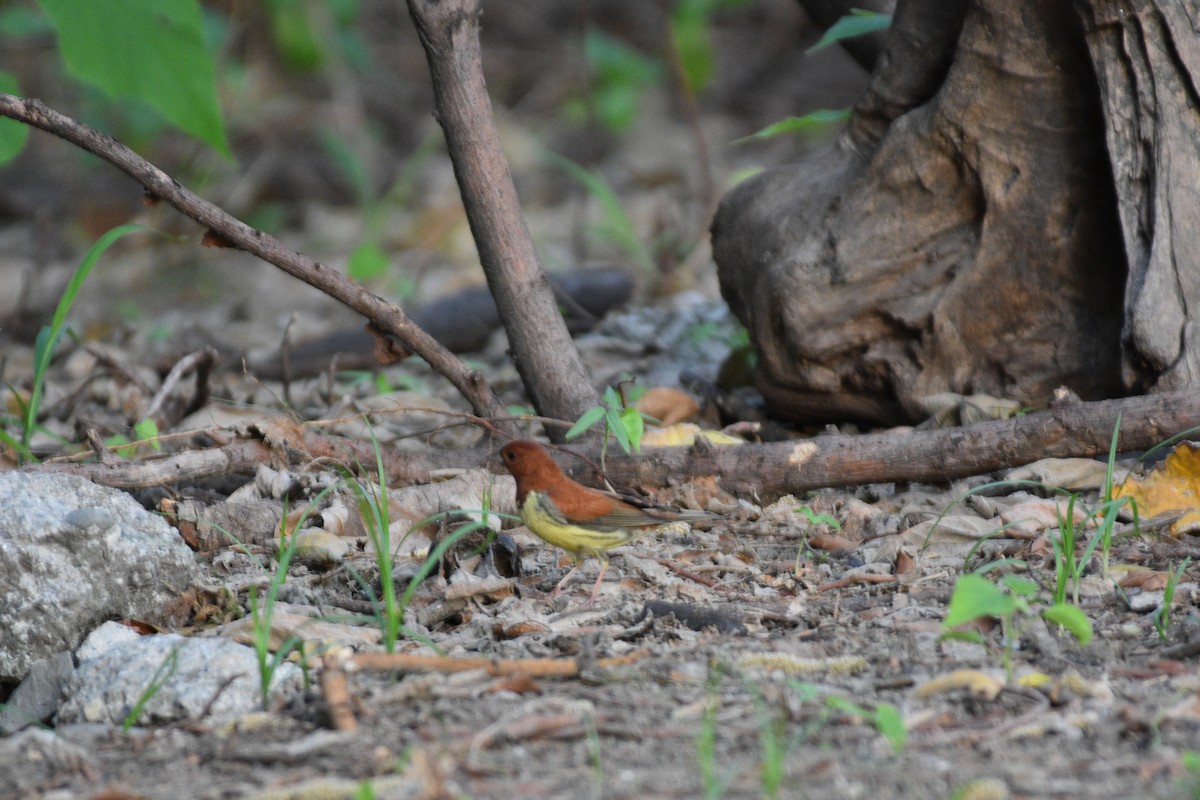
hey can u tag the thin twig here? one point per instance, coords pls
(236, 233)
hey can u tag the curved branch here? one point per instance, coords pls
(232, 231)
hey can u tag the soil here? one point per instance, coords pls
(758, 657)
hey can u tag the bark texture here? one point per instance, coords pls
(1147, 61)
(539, 342)
(966, 233)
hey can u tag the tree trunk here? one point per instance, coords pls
(1011, 208)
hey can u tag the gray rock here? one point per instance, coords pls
(104, 638)
(37, 758)
(211, 679)
(72, 555)
(38, 696)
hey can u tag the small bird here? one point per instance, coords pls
(584, 522)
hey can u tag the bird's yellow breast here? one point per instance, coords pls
(547, 522)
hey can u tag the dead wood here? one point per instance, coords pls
(777, 468)
(463, 321)
(767, 470)
(387, 316)
(541, 347)
(1010, 210)
(241, 456)
(533, 667)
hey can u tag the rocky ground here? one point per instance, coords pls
(792, 649)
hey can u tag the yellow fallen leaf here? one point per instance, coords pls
(979, 684)
(684, 434)
(1174, 486)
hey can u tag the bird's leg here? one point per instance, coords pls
(596, 589)
(566, 578)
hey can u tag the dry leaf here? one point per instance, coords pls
(826, 541)
(667, 405)
(684, 434)
(1148, 580)
(981, 685)
(1174, 486)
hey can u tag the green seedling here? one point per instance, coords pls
(1111, 505)
(615, 226)
(618, 77)
(262, 614)
(145, 433)
(376, 516)
(1162, 617)
(595, 756)
(815, 123)
(691, 39)
(368, 261)
(1190, 761)
(815, 520)
(262, 611)
(859, 22)
(621, 420)
(390, 615)
(711, 783)
(48, 337)
(1012, 601)
(820, 122)
(885, 718)
(773, 749)
(158, 680)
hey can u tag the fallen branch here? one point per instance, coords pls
(241, 456)
(235, 233)
(533, 667)
(855, 579)
(778, 468)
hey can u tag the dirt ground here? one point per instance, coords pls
(756, 658)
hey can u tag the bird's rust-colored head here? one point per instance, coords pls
(532, 467)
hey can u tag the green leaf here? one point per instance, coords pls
(635, 425)
(1021, 587)
(616, 424)
(974, 637)
(118, 444)
(148, 429)
(586, 420)
(690, 26)
(857, 23)
(18, 21)
(890, 723)
(976, 597)
(813, 122)
(351, 165)
(620, 75)
(153, 50)
(12, 133)
(294, 36)
(839, 703)
(612, 399)
(616, 226)
(1072, 619)
(368, 261)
